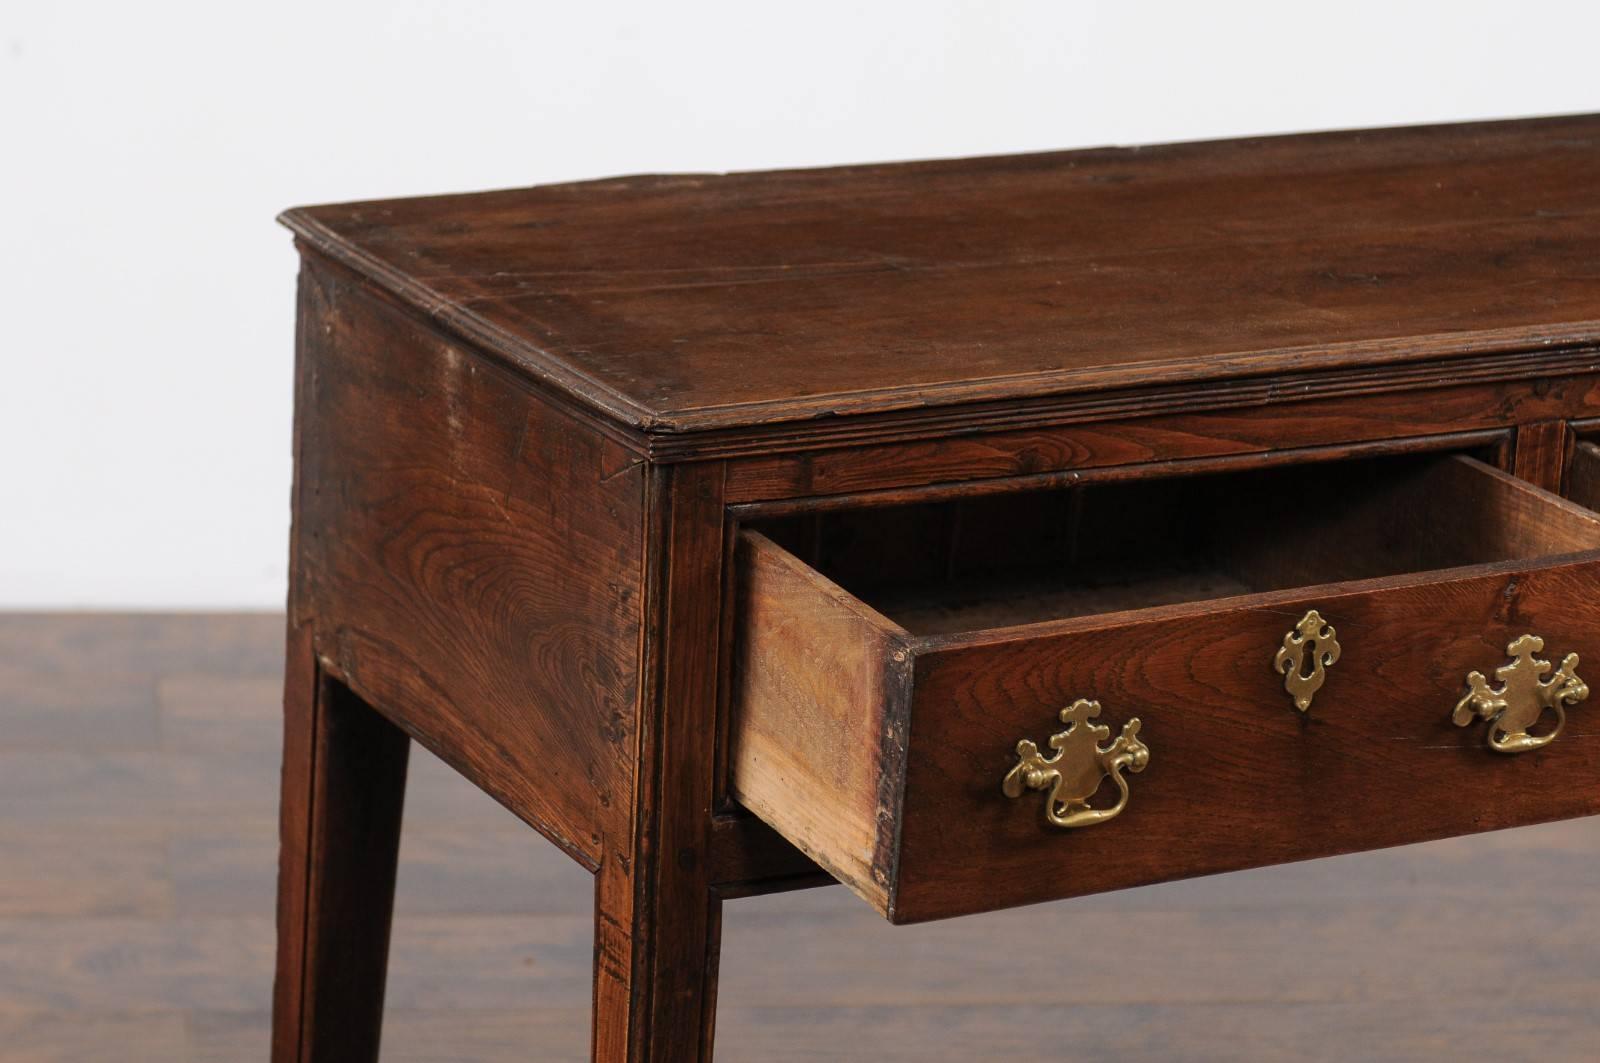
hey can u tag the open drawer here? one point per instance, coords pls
(889, 662)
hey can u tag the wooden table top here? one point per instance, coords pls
(684, 303)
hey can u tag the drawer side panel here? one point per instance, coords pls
(819, 687)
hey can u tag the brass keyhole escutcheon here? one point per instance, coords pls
(1309, 649)
(1524, 696)
(1080, 764)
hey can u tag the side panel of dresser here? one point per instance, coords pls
(471, 560)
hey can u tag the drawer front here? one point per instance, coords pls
(1236, 776)
(897, 760)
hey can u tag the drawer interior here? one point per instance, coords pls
(881, 683)
(1583, 474)
(1100, 547)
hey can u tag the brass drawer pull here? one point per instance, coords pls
(1079, 766)
(1523, 697)
(1312, 642)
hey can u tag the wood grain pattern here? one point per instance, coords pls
(650, 298)
(1541, 453)
(1559, 369)
(819, 676)
(471, 560)
(658, 919)
(148, 935)
(1067, 449)
(1583, 475)
(523, 417)
(344, 773)
(1391, 518)
(944, 842)
(303, 688)
(1237, 777)
(1139, 536)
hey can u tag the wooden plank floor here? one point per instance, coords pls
(138, 770)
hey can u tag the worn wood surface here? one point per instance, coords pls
(704, 301)
(138, 815)
(1299, 528)
(1243, 780)
(1237, 777)
(1583, 474)
(1138, 536)
(1274, 423)
(500, 579)
(1541, 453)
(523, 417)
(817, 678)
(344, 775)
(658, 918)
(470, 558)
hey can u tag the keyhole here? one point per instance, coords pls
(1308, 661)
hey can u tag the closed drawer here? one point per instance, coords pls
(878, 727)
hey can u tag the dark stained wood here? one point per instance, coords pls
(1538, 371)
(1492, 446)
(657, 916)
(749, 858)
(701, 301)
(344, 775)
(1541, 453)
(682, 927)
(1140, 536)
(131, 930)
(1583, 475)
(531, 424)
(471, 562)
(1387, 520)
(885, 788)
(1273, 431)
(1237, 778)
(303, 689)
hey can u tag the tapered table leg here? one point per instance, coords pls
(344, 770)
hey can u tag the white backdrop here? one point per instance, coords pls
(146, 296)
